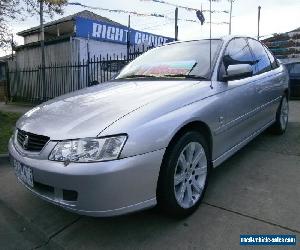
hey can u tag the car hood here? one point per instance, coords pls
(87, 112)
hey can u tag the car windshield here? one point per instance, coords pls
(188, 60)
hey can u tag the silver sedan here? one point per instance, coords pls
(151, 136)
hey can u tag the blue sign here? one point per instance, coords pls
(267, 240)
(107, 32)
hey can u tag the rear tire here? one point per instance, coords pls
(282, 117)
(183, 175)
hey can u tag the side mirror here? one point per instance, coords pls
(238, 71)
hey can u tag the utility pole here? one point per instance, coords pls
(230, 16)
(42, 39)
(176, 24)
(128, 38)
(88, 60)
(258, 22)
(210, 63)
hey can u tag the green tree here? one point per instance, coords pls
(51, 7)
(20, 9)
(9, 10)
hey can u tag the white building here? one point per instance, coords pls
(70, 39)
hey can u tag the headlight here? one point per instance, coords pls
(89, 149)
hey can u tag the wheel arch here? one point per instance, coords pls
(198, 126)
(287, 93)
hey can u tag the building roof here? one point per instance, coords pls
(280, 35)
(296, 30)
(84, 14)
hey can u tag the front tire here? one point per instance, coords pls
(183, 176)
(282, 117)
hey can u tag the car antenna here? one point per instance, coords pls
(211, 86)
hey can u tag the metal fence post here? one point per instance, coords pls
(8, 96)
(27, 84)
(88, 70)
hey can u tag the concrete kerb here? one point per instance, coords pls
(3, 156)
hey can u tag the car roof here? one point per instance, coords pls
(223, 38)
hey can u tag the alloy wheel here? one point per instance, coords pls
(284, 113)
(190, 174)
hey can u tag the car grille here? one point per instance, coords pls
(31, 142)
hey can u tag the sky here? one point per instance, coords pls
(277, 16)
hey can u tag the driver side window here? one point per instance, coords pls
(237, 52)
(262, 61)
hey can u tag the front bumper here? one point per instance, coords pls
(101, 189)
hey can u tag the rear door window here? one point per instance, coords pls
(273, 60)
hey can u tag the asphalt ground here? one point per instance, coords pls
(257, 191)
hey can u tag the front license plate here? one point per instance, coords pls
(23, 172)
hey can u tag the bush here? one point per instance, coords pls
(7, 124)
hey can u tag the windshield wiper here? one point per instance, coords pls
(187, 76)
(166, 76)
(138, 76)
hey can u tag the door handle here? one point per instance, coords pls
(221, 120)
